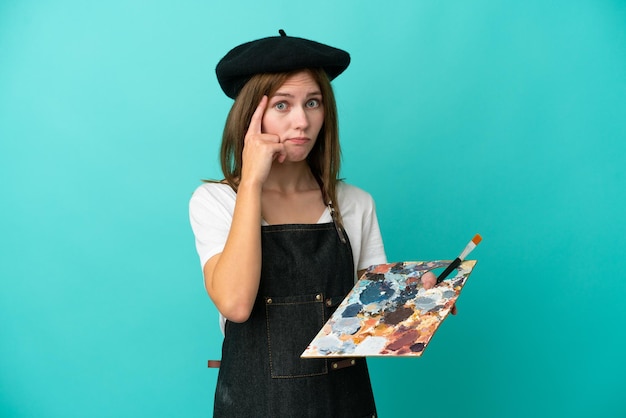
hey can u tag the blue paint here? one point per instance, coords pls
(425, 303)
(408, 293)
(328, 345)
(376, 292)
(352, 310)
(400, 268)
(346, 326)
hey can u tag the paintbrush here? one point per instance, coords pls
(468, 249)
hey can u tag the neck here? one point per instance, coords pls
(290, 177)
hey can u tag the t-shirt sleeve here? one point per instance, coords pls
(372, 248)
(211, 214)
(358, 211)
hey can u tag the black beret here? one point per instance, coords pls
(276, 54)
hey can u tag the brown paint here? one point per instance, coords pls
(397, 316)
(406, 339)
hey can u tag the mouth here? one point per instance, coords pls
(298, 140)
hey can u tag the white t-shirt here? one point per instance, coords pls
(211, 213)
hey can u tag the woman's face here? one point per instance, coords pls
(295, 113)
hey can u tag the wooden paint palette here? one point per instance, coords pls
(389, 313)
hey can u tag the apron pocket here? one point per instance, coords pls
(292, 322)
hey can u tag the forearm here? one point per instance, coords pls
(232, 278)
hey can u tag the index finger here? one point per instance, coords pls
(257, 116)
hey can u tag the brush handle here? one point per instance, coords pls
(448, 270)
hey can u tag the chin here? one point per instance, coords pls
(296, 158)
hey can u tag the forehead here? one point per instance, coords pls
(301, 81)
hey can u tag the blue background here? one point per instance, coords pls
(500, 118)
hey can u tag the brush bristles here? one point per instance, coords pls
(470, 246)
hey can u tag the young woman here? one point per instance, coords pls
(281, 239)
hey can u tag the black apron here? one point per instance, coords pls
(306, 272)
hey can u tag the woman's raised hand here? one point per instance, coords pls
(260, 149)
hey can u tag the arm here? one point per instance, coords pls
(232, 276)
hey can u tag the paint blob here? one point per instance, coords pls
(397, 316)
(376, 292)
(346, 326)
(352, 310)
(406, 339)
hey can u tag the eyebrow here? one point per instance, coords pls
(278, 93)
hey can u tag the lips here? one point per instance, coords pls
(298, 140)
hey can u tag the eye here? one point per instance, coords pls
(280, 106)
(313, 103)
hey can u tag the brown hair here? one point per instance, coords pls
(324, 158)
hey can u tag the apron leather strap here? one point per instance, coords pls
(214, 364)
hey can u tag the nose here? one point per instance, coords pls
(300, 118)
